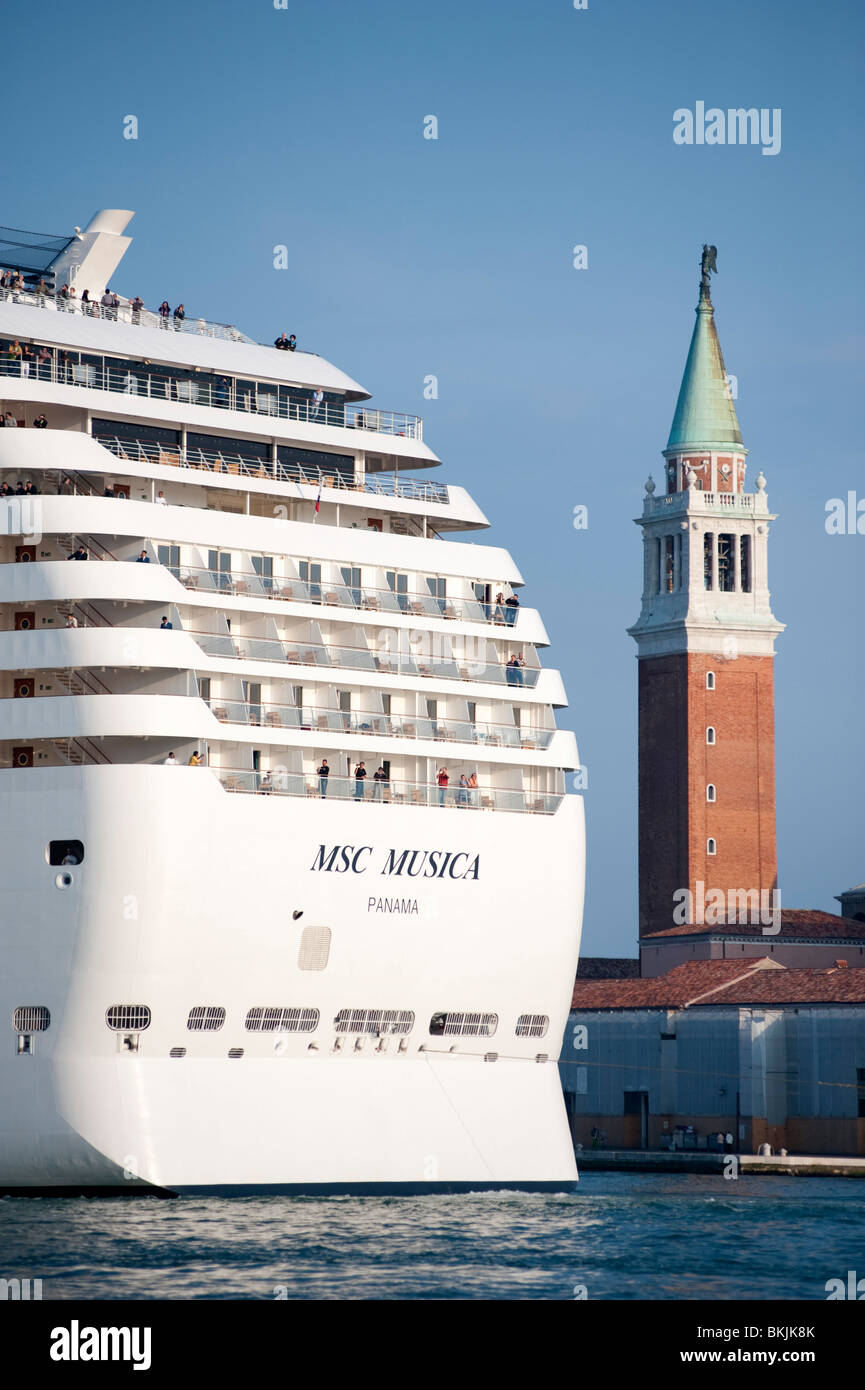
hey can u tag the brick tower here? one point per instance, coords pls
(705, 640)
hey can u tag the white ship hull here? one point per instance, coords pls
(186, 898)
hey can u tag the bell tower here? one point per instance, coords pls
(705, 648)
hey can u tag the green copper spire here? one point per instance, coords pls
(705, 415)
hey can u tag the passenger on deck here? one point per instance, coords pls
(85, 302)
(196, 760)
(512, 604)
(359, 775)
(323, 774)
(317, 398)
(165, 312)
(79, 554)
(281, 342)
(382, 784)
(19, 489)
(292, 343)
(136, 306)
(179, 316)
(9, 421)
(463, 796)
(266, 783)
(160, 497)
(499, 614)
(170, 761)
(165, 625)
(143, 558)
(443, 780)
(31, 490)
(71, 620)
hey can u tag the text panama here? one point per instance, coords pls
(408, 863)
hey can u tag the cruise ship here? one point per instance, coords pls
(232, 963)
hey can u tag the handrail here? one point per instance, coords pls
(401, 661)
(144, 451)
(222, 393)
(325, 719)
(124, 313)
(279, 781)
(340, 594)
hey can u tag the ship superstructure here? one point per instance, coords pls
(230, 960)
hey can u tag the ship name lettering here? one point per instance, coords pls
(431, 864)
(349, 858)
(410, 863)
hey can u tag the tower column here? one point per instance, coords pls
(705, 662)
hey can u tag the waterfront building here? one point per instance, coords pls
(750, 1049)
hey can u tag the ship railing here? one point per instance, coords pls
(325, 719)
(221, 393)
(243, 465)
(281, 781)
(341, 594)
(124, 313)
(394, 657)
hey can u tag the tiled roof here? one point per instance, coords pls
(714, 982)
(608, 968)
(795, 922)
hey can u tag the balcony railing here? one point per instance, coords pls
(730, 501)
(124, 313)
(221, 393)
(322, 719)
(341, 594)
(138, 451)
(397, 659)
(398, 791)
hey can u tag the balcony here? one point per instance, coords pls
(206, 389)
(398, 791)
(138, 451)
(396, 659)
(325, 719)
(340, 594)
(124, 313)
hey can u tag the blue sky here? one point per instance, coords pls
(408, 256)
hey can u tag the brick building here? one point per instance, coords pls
(705, 644)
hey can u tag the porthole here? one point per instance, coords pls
(710, 735)
(123, 1018)
(64, 880)
(64, 852)
(463, 1025)
(31, 1018)
(710, 680)
(374, 1021)
(532, 1025)
(710, 792)
(205, 1018)
(710, 846)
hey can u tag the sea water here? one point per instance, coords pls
(620, 1236)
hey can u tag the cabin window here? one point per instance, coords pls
(710, 735)
(710, 846)
(710, 792)
(710, 680)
